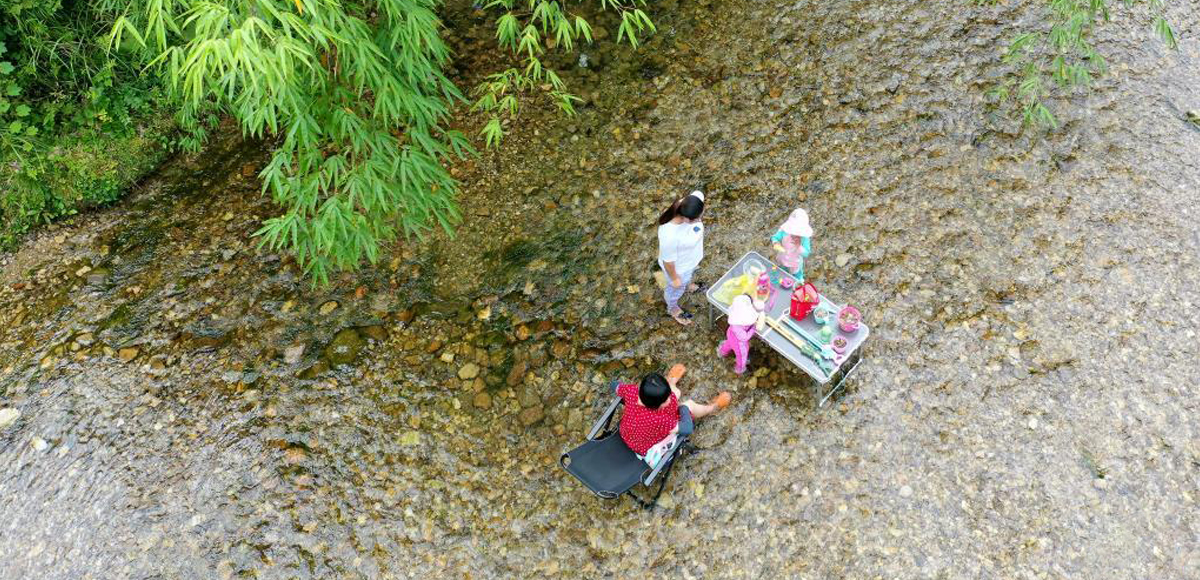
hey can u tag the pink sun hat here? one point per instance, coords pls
(743, 311)
(797, 224)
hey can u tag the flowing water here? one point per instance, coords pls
(189, 407)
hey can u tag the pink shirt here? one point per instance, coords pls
(792, 252)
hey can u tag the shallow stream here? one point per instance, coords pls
(189, 407)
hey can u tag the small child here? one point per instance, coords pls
(744, 315)
(653, 411)
(792, 243)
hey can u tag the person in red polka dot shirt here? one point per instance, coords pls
(653, 411)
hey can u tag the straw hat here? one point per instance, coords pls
(743, 311)
(797, 224)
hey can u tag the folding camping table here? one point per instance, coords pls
(844, 366)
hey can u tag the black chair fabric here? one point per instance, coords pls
(607, 466)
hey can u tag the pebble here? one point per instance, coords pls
(127, 354)
(8, 416)
(482, 401)
(468, 371)
(531, 416)
(293, 354)
(328, 307)
(905, 491)
(516, 375)
(1100, 483)
(39, 444)
(841, 260)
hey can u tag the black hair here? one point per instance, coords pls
(689, 207)
(654, 391)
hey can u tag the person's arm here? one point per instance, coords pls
(776, 241)
(672, 275)
(668, 252)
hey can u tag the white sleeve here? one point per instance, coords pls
(668, 246)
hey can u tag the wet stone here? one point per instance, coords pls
(328, 307)
(8, 416)
(344, 348)
(98, 276)
(293, 354)
(468, 371)
(528, 397)
(531, 416)
(516, 375)
(375, 332)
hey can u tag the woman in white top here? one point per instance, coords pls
(680, 249)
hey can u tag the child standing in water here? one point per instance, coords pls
(744, 316)
(792, 243)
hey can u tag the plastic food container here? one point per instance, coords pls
(848, 319)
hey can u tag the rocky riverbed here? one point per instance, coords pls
(178, 403)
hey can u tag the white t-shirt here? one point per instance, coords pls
(681, 243)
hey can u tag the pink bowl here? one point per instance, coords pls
(848, 319)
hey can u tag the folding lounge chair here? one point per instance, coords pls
(609, 468)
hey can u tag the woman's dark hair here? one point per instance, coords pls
(689, 207)
(654, 391)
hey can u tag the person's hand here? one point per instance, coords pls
(676, 282)
(778, 247)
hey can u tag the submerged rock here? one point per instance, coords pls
(532, 416)
(468, 371)
(98, 276)
(344, 347)
(293, 354)
(8, 416)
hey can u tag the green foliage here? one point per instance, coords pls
(91, 169)
(352, 90)
(77, 127)
(1061, 58)
(526, 29)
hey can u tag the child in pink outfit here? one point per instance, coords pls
(744, 314)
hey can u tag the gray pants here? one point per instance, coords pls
(672, 294)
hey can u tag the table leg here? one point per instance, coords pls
(857, 358)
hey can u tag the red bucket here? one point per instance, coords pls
(804, 299)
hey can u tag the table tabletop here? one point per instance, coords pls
(779, 310)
